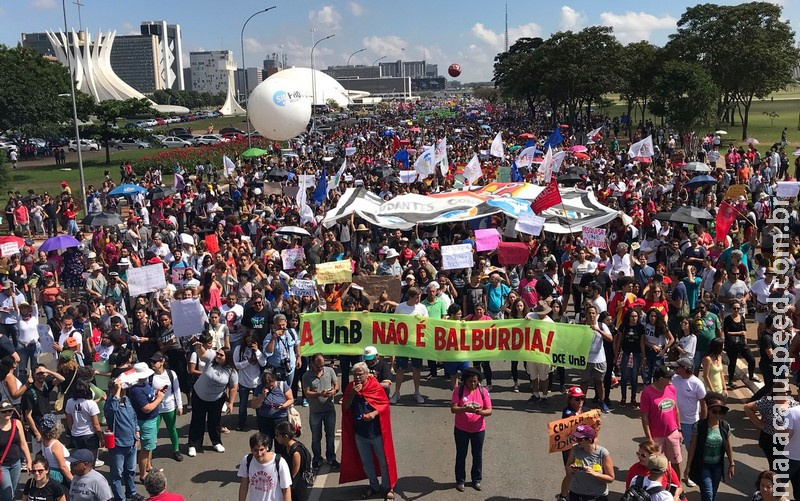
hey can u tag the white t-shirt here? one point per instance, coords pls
(405, 309)
(264, 479)
(597, 355)
(689, 344)
(689, 392)
(81, 411)
(792, 421)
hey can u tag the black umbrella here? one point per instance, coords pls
(98, 219)
(684, 214)
(278, 173)
(569, 178)
(160, 192)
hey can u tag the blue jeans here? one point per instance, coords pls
(72, 227)
(366, 448)
(244, 396)
(630, 373)
(653, 361)
(317, 420)
(28, 355)
(709, 482)
(464, 440)
(123, 468)
(10, 480)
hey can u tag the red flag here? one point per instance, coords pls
(549, 197)
(725, 216)
(395, 144)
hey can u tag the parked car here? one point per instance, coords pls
(226, 130)
(175, 142)
(209, 139)
(8, 146)
(177, 131)
(86, 145)
(131, 144)
(234, 136)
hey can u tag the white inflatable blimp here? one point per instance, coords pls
(279, 108)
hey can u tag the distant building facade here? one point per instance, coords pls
(134, 58)
(170, 55)
(210, 70)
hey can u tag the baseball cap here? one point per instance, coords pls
(584, 431)
(370, 352)
(685, 362)
(657, 462)
(157, 357)
(576, 392)
(82, 456)
(71, 343)
(663, 372)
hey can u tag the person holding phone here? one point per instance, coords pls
(146, 401)
(589, 467)
(122, 420)
(320, 385)
(172, 404)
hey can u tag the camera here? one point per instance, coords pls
(282, 372)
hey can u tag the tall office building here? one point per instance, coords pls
(135, 59)
(210, 70)
(357, 71)
(38, 42)
(170, 56)
(254, 77)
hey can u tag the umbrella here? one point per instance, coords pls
(721, 132)
(160, 192)
(581, 156)
(98, 219)
(751, 140)
(685, 214)
(578, 148)
(293, 230)
(514, 148)
(697, 167)
(569, 178)
(278, 172)
(699, 181)
(796, 152)
(59, 242)
(526, 135)
(253, 152)
(125, 190)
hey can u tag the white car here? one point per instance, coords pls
(175, 142)
(131, 144)
(8, 146)
(209, 139)
(86, 145)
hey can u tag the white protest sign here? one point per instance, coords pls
(408, 176)
(146, 279)
(302, 288)
(530, 224)
(9, 249)
(786, 189)
(188, 317)
(290, 257)
(594, 237)
(46, 338)
(457, 256)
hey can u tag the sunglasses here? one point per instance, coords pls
(584, 439)
(38, 471)
(578, 398)
(6, 411)
(719, 412)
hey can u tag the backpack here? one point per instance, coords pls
(277, 466)
(637, 492)
(307, 475)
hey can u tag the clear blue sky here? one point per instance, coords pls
(468, 32)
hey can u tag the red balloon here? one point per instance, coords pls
(454, 70)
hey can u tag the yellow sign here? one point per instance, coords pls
(334, 272)
(560, 430)
(736, 191)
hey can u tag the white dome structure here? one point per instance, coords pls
(326, 86)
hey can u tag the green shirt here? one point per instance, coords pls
(712, 453)
(706, 331)
(436, 309)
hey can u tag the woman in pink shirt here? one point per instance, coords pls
(470, 404)
(480, 314)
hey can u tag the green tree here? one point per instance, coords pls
(107, 113)
(748, 50)
(513, 75)
(684, 94)
(638, 63)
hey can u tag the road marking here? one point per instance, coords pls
(322, 478)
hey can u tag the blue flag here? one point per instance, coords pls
(322, 188)
(554, 140)
(516, 175)
(530, 142)
(402, 157)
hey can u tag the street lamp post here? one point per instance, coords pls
(353, 54)
(380, 73)
(314, 80)
(244, 69)
(75, 117)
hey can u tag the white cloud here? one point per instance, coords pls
(636, 26)
(390, 46)
(571, 19)
(326, 17)
(299, 55)
(355, 8)
(254, 45)
(43, 4)
(130, 29)
(497, 40)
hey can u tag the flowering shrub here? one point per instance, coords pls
(189, 157)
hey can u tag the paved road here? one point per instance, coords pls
(516, 462)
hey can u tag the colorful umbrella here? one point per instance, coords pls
(59, 242)
(126, 190)
(253, 152)
(526, 135)
(514, 148)
(578, 148)
(581, 156)
(699, 181)
(751, 140)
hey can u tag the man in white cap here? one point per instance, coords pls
(96, 282)
(378, 368)
(390, 266)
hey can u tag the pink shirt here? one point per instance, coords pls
(527, 291)
(469, 422)
(661, 408)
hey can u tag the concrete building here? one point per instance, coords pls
(170, 55)
(38, 42)
(405, 69)
(386, 87)
(134, 58)
(349, 72)
(254, 77)
(187, 79)
(210, 70)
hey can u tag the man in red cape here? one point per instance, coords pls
(365, 387)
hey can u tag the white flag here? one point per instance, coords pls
(526, 156)
(228, 166)
(643, 148)
(595, 132)
(497, 146)
(558, 160)
(424, 163)
(472, 172)
(440, 156)
(306, 213)
(547, 165)
(338, 177)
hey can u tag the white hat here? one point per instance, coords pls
(95, 267)
(370, 352)
(357, 287)
(143, 371)
(392, 253)
(124, 261)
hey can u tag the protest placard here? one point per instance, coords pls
(101, 368)
(188, 317)
(272, 188)
(486, 240)
(530, 224)
(374, 285)
(786, 189)
(334, 272)
(146, 279)
(513, 253)
(594, 237)
(348, 333)
(736, 191)
(46, 338)
(457, 256)
(212, 244)
(291, 191)
(560, 430)
(9, 249)
(177, 275)
(302, 288)
(504, 174)
(290, 256)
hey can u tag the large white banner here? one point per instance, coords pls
(146, 279)
(458, 256)
(188, 317)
